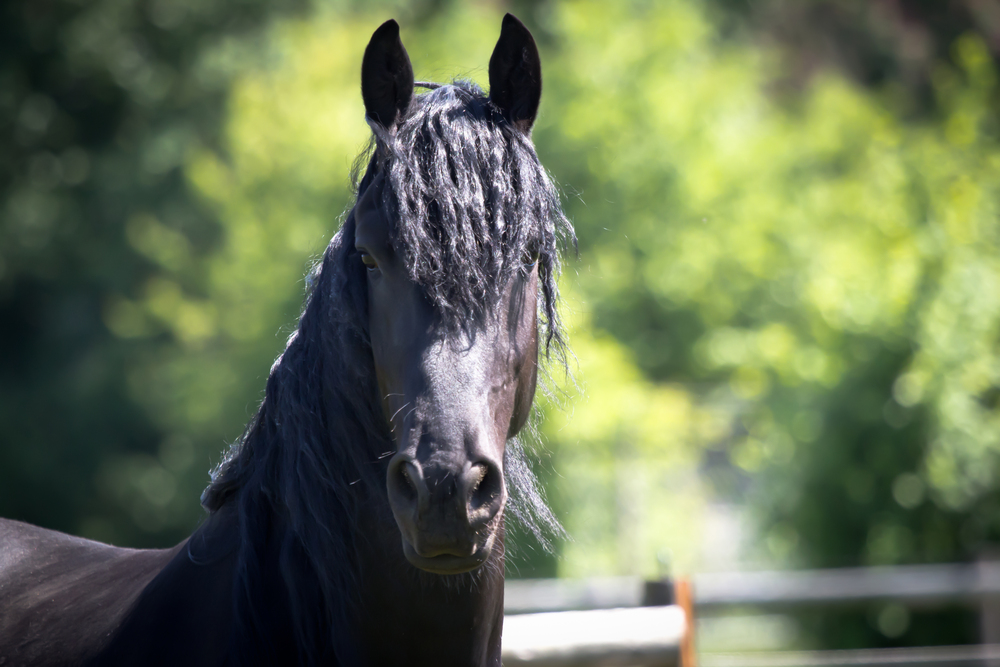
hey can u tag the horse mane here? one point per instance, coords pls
(470, 205)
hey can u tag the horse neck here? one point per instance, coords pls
(408, 616)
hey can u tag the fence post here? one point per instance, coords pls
(989, 605)
(684, 597)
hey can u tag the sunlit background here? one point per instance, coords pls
(785, 311)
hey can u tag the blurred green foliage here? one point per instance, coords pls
(787, 295)
(100, 103)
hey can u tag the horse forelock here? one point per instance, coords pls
(469, 205)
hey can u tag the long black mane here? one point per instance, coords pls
(470, 206)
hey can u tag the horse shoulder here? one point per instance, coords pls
(184, 616)
(62, 597)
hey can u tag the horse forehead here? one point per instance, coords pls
(499, 332)
(370, 222)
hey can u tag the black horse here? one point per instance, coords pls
(390, 418)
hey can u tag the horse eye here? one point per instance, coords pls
(530, 258)
(369, 261)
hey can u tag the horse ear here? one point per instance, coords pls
(516, 74)
(386, 76)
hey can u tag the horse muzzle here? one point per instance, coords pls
(448, 514)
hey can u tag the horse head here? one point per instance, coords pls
(454, 229)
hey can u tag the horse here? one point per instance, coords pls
(360, 518)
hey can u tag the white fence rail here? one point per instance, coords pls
(637, 636)
(929, 656)
(522, 596)
(913, 584)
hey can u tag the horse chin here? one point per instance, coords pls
(449, 563)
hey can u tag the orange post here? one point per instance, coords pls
(685, 600)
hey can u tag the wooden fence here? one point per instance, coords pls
(627, 621)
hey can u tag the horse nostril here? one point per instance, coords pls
(485, 488)
(407, 487)
(405, 482)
